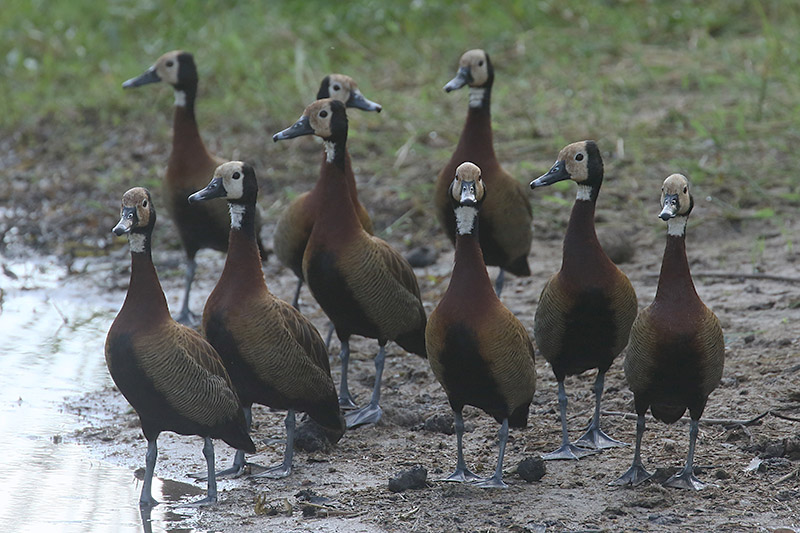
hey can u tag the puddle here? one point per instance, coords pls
(52, 331)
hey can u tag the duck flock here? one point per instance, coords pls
(253, 347)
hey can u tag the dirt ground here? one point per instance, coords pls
(752, 471)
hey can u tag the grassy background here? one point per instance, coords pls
(711, 89)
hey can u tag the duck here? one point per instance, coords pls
(506, 216)
(190, 164)
(294, 225)
(364, 285)
(274, 354)
(677, 349)
(586, 309)
(171, 376)
(478, 350)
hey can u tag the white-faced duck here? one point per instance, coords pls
(170, 375)
(364, 286)
(201, 225)
(586, 309)
(478, 350)
(274, 354)
(506, 215)
(294, 225)
(677, 349)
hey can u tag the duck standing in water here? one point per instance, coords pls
(168, 372)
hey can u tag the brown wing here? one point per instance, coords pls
(640, 360)
(549, 322)
(712, 350)
(188, 372)
(305, 334)
(292, 233)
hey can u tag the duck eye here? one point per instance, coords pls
(323, 113)
(579, 157)
(170, 63)
(337, 87)
(236, 175)
(144, 203)
(480, 63)
(685, 189)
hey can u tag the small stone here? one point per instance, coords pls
(440, 424)
(774, 449)
(414, 478)
(422, 256)
(531, 469)
(309, 511)
(721, 474)
(749, 338)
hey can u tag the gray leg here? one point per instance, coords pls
(208, 453)
(371, 413)
(496, 481)
(239, 462)
(146, 499)
(498, 283)
(296, 300)
(284, 469)
(685, 478)
(462, 473)
(331, 329)
(567, 450)
(345, 400)
(594, 437)
(186, 316)
(636, 474)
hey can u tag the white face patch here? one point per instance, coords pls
(237, 212)
(676, 226)
(476, 96)
(330, 151)
(180, 99)
(584, 192)
(136, 242)
(465, 219)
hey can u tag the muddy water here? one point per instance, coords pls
(52, 330)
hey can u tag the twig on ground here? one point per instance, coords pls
(787, 477)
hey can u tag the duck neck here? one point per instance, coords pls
(469, 270)
(476, 142)
(675, 281)
(243, 261)
(336, 203)
(581, 246)
(186, 139)
(145, 298)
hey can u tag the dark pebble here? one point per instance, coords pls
(440, 424)
(413, 478)
(531, 469)
(721, 474)
(422, 256)
(311, 437)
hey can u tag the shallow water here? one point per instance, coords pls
(52, 331)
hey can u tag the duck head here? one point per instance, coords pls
(343, 88)
(580, 162)
(176, 68)
(676, 201)
(234, 181)
(324, 118)
(474, 69)
(467, 192)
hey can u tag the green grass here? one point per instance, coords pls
(711, 89)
